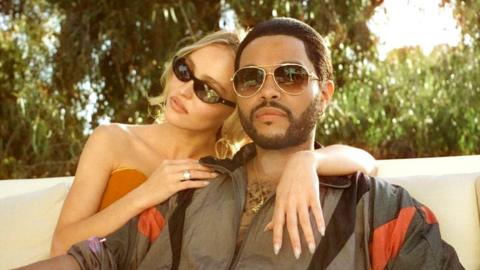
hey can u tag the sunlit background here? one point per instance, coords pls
(406, 72)
(397, 24)
(421, 23)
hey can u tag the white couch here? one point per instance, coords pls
(450, 186)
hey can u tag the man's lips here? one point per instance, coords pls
(177, 105)
(269, 112)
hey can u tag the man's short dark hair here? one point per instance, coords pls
(315, 46)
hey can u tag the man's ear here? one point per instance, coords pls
(327, 90)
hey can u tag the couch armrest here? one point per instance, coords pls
(428, 166)
(29, 214)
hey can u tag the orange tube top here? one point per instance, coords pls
(121, 182)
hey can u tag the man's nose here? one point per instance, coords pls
(270, 88)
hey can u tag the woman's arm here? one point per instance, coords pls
(298, 190)
(66, 262)
(79, 219)
(339, 159)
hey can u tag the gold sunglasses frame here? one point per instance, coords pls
(263, 68)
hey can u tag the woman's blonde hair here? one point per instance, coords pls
(231, 135)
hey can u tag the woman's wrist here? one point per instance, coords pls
(307, 157)
(140, 198)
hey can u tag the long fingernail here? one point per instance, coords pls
(214, 174)
(311, 247)
(276, 248)
(297, 252)
(205, 183)
(322, 230)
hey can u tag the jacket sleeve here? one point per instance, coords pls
(406, 234)
(423, 247)
(126, 247)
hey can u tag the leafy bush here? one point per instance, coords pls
(62, 58)
(410, 105)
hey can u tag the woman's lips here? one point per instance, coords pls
(177, 105)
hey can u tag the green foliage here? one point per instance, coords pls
(59, 59)
(39, 135)
(118, 48)
(410, 105)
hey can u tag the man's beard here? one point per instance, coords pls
(297, 132)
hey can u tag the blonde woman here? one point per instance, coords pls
(126, 169)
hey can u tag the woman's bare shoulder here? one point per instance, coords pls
(111, 130)
(107, 140)
(119, 137)
(114, 133)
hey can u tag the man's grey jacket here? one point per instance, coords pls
(370, 225)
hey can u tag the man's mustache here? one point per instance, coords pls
(272, 103)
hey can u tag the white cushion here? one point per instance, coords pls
(21, 186)
(477, 187)
(28, 222)
(428, 166)
(453, 199)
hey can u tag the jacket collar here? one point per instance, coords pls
(249, 151)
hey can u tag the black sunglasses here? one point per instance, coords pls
(202, 90)
(292, 79)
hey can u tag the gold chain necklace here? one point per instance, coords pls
(257, 192)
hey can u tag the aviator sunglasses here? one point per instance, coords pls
(201, 89)
(292, 79)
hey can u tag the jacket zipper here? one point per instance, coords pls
(238, 214)
(237, 203)
(240, 250)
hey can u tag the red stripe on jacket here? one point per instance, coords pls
(429, 216)
(389, 238)
(151, 223)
